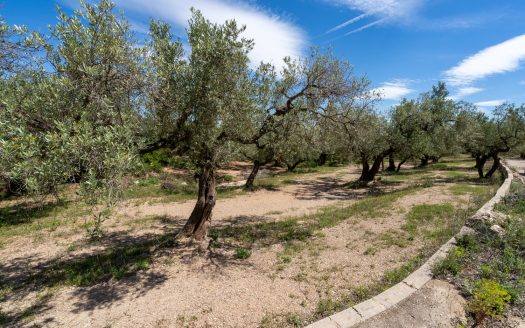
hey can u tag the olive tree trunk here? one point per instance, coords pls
(198, 222)
(293, 166)
(495, 165)
(253, 175)
(480, 164)
(424, 160)
(391, 163)
(323, 158)
(368, 173)
(400, 164)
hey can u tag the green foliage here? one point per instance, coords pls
(242, 253)
(71, 124)
(489, 300)
(513, 203)
(451, 264)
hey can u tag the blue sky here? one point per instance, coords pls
(403, 46)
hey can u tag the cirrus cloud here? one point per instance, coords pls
(275, 37)
(490, 103)
(501, 58)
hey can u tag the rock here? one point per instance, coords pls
(482, 217)
(489, 217)
(498, 230)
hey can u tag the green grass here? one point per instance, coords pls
(424, 214)
(103, 266)
(514, 203)
(242, 253)
(304, 227)
(24, 219)
(466, 188)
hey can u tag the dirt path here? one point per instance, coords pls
(198, 287)
(217, 291)
(518, 165)
(301, 197)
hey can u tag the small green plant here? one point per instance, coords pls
(328, 306)
(242, 253)
(450, 264)
(489, 300)
(228, 178)
(467, 241)
(294, 320)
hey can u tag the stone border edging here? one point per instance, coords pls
(415, 281)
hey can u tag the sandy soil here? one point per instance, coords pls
(294, 199)
(437, 305)
(196, 287)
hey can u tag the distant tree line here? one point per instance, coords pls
(84, 103)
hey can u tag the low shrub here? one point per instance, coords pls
(242, 253)
(489, 300)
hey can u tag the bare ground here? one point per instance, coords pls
(192, 286)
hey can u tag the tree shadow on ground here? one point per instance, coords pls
(330, 188)
(122, 266)
(27, 212)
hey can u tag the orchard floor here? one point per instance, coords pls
(300, 247)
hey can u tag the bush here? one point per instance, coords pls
(513, 203)
(160, 158)
(489, 300)
(242, 253)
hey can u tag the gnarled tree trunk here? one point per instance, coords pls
(424, 160)
(495, 166)
(323, 158)
(400, 164)
(391, 163)
(198, 222)
(293, 166)
(480, 164)
(253, 174)
(369, 173)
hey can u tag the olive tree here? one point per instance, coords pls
(18, 48)
(199, 105)
(362, 131)
(437, 114)
(75, 120)
(302, 89)
(487, 137)
(405, 134)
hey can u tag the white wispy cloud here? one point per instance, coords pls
(348, 22)
(275, 37)
(490, 103)
(364, 27)
(501, 58)
(382, 10)
(394, 90)
(466, 91)
(392, 9)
